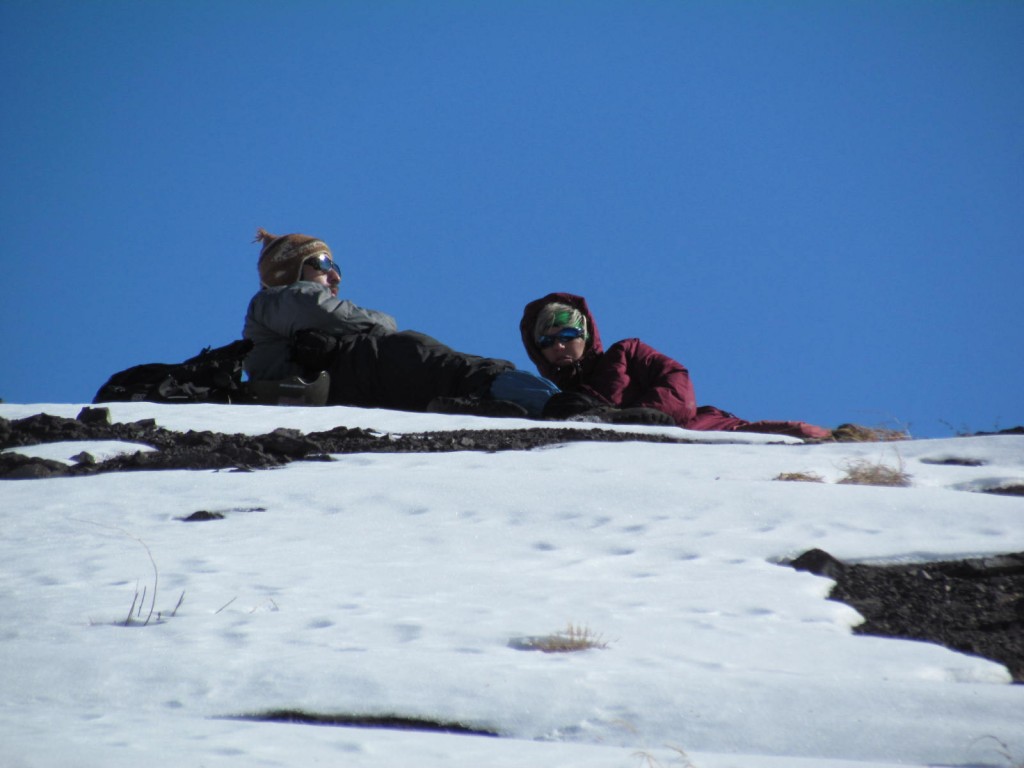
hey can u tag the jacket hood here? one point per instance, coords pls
(530, 312)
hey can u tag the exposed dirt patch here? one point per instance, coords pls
(213, 450)
(202, 516)
(975, 606)
(1006, 490)
(391, 722)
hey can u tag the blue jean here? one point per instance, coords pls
(525, 389)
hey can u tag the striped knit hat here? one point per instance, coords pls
(282, 256)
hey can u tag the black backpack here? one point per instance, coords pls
(212, 376)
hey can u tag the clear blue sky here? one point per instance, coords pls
(818, 207)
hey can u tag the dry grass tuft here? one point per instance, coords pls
(855, 433)
(573, 638)
(864, 472)
(800, 477)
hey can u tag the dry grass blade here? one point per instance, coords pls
(229, 602)
(131, 610)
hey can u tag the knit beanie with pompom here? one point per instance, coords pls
(282, 256)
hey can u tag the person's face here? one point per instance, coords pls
(562, 352)
(320, 269)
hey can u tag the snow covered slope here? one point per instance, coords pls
(404, 585)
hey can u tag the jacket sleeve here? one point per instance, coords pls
(632, 374)
(304, 305)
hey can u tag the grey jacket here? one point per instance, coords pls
(275, 314)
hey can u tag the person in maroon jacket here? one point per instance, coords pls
(562, 340)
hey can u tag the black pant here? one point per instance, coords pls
(403, 370)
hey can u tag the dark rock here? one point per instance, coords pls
(288, 442)
(1010, 431)
(202, 515)
(94, 415)
(953, 461)
(820, 563)
(14, 466)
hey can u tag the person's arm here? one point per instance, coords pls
(635, 375)
(304, 306)
(348, 315)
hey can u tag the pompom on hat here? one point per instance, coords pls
(282, 256)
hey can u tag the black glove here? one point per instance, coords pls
(313, 350)
(564, 405)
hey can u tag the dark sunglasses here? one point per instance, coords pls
(565, 336)
(323, 263)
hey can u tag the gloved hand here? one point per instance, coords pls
(313, 350)
(565, 405)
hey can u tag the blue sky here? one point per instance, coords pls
(815, 206)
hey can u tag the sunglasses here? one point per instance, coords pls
(565, 336)
(323, 263)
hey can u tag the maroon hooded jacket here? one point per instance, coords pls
(631, 374)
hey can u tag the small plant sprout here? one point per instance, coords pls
(140, 601)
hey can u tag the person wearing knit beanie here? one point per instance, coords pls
(283, 256)
(300, 329)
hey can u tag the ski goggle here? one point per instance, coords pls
(565, 336)
(323, 263)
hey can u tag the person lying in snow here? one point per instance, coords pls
(299, 327)
(561, 338)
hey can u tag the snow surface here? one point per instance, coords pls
(382, 584)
